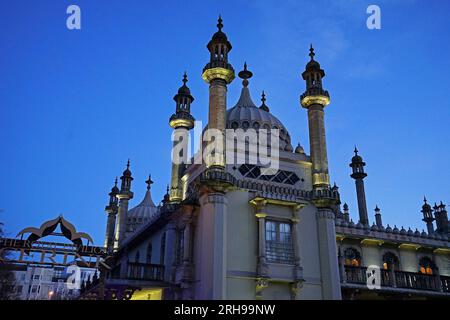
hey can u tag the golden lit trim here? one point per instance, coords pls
(286, 203)
(321, 179)
(442, 250)
(218, 73)
(261, 215)
(319, 99)
(409, 246)
(372, 242)
(177, 123)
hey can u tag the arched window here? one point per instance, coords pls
(352, 257)
(136, 258)
(427, 266)
(390, 261)
(162, 251)
(149, 253)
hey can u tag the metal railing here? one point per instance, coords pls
(145, 271)
(399, 279)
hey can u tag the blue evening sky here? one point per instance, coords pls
(75, 105)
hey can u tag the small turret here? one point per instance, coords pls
(378, 220)
(441, 216)
(357, 164)
(428, 216)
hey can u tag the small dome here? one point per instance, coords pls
(299, 149)
(141, 213)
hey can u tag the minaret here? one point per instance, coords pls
(441, 219)
(358, 174)
(218, 73)
(124, 196)
(314, 99)
(428, 216)
(111, 209)
(181, 121)
(378, 220)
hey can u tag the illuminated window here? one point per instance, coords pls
(279, 246)
(390, 261)
(427, 266)
(352, 257)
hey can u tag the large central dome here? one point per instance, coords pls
(245, 114)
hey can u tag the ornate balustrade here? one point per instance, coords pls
(145, 271)
(399, 279)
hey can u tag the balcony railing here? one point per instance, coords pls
(145, 271)
(399, 279)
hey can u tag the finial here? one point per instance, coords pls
(356, 151)
(377, 209)
(263, 100)
(311, 52)
(245, 74)
(185, 78)
(167, 189)
(128, 164)
(149, 182)
(115, 183)
(219, 24)
(424, 199)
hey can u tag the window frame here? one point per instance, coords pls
(279, 243)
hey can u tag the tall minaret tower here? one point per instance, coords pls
(428, 216)
(124, 196)
(111, 209)
(358, 174)
(314, 99)
(218, 73)
(181, 121)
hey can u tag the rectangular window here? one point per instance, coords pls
(279, 246)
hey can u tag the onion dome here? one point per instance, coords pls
(245, 114)
(313, 65)
(115, 190)
(388, 229)
(299, 149)
(219, 36)
(127, 172)
(143, 211)
(184, 89)
(357, 158)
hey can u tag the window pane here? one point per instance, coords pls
(279, 246)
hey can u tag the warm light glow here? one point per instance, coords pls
(218, 73)
(311, 100)
(385, 266)
(148, 294)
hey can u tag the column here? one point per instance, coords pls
(261, 220)
(329, 269)
(170, 251)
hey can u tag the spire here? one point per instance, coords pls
(355, 151)
(263, 100)
(245, 99)
(219, 23)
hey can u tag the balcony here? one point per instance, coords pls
(145, 271)
(399, 279)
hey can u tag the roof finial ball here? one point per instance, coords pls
(245, 74)
(263, 100)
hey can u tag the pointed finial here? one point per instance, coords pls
(263, 100)
(185, 78)
(128, 164)
(167, 189)
(219, 23)
(149, 182)
(356, 151)
(311, 52)
(115, 183)
(245, 74)
(424, 199)
(377, 209)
